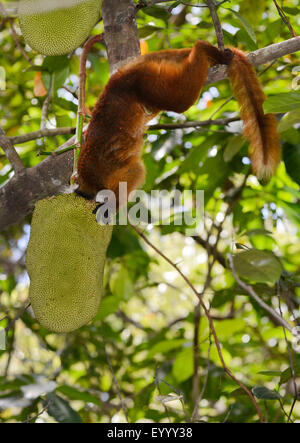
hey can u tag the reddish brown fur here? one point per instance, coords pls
(259, 129)
(167, 80)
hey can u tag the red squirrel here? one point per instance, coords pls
(168, 80)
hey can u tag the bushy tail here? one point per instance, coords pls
(259, 128)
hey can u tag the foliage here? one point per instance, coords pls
(145, 333)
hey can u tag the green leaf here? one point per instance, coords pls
(263, 393)
(291, 11)
(252, 10)
(270, 373)
(288, 120)
(55, 63)
(239, 392)
(291, 157)
(286, 375)
(157, 12)
(109, 305)
(213, 174)
(196, 156)
(165, 346)
(75, 394)
(243, 37)
(65, 104)
(248, 28)
(147, 30)
(60, 77)
(9, 284)
(234, 146)
(183, 366)
(46, 78)
(123, 242)
(154, 169)
(121, 284)
(61, 410)
(227, 328)
(284, 102)
(257, 265)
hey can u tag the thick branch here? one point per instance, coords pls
(18, 196)
(259, 57)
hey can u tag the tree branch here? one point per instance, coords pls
(19, 139)
(193, 124)
(10, 152)
(259, 57)
(18, 196)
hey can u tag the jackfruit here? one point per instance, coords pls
(57, 27)
(65, 262)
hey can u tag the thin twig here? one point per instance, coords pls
(129, 320)
(19, 315)
(284, 18)
(28, 420)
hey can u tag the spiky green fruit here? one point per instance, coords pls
(57, 27)
(65, 262)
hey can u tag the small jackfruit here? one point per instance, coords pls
(65, 262)
(57, 27)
